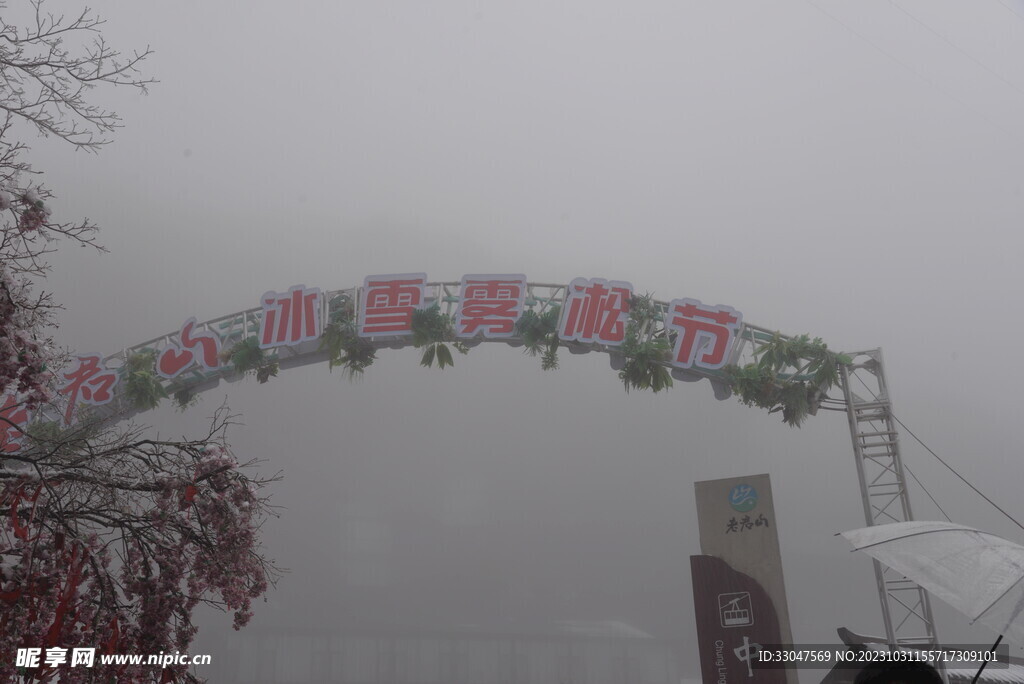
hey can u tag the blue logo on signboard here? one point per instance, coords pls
(742, 498)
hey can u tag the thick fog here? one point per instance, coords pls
(848, 170)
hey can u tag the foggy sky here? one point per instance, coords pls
(849, 170)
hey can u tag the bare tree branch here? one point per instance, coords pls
(108, 538)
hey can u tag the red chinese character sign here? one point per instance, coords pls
(388, 302)
(192, 347)
(490, 305)
(88, 382)
(291, 317)
(704, 333)
(13, 418)
(596, 310)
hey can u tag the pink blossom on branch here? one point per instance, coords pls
(119, 562)
(108, 540)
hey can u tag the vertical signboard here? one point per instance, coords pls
(737, 524)
(734, 617)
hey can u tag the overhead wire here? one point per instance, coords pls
(953, 45)
(1012, 11)
(920, 484)
(967, 106)
(964, 104)
(914, 71)
(925, 490)
(943, 462)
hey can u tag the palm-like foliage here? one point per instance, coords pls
(346, 349)
(141, 384)
(812, 368)
(184, 398)
(540, 335)
(646, 366)
(342, 342)
(247, 357)
(646, 359)
(433, 331)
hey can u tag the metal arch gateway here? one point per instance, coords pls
(905, 607)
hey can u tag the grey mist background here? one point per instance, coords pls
(848, 170)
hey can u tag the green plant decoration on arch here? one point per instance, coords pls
(433, 331)
(142, 386)
(539, 333)
(797, 394)
(646, 364)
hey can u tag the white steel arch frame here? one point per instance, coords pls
(906, 609)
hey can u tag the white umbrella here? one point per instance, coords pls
(978, 573)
